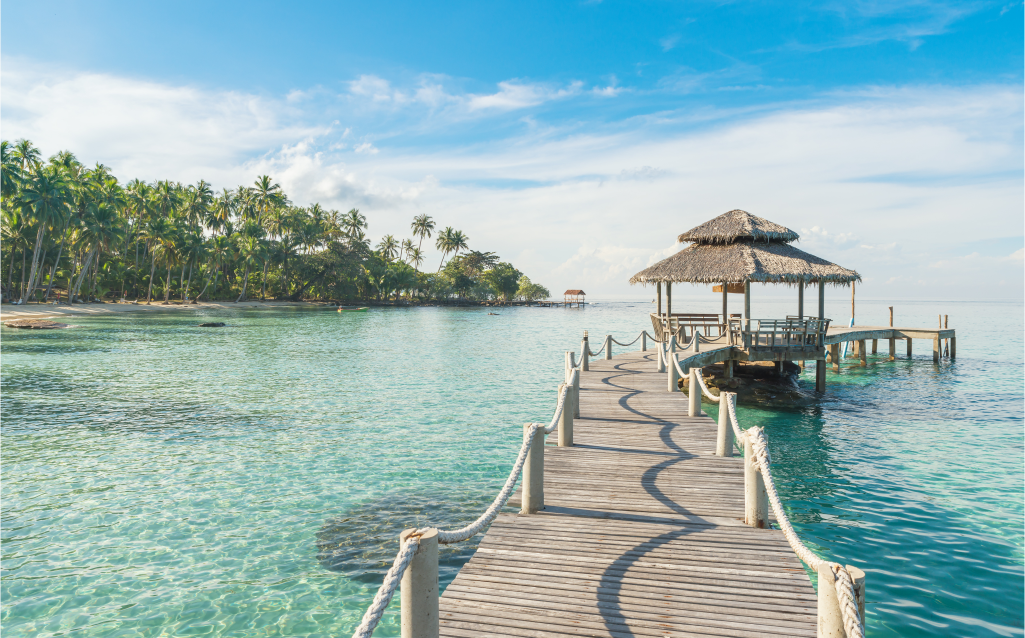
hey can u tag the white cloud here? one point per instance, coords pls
(908, 172)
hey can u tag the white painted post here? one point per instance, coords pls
(858, 578)
(566, 419)
(830, 619)
(644, 342)
(694, 396)
(418, 589)
(673, 377)
(756, 499)
(608, 347)
(724, 437)
(576, 384)
(584, 353)
(533, 492)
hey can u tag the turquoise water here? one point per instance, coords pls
(160, 479)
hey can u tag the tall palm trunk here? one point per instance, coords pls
(86, 263)
(167, 284)
(24, 254)
(10, 277)
(245, 284)
(35, 283)
(35, 262)
(263, 287)
(217, 271)
(64, 235)
(153, 269)
(185, 293)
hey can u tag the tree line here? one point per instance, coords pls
(75, 233)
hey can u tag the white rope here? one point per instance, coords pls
(387, 589)
(554, 425)
(600, 350)
(704, 388)
(843, 583)
(631, 343)
(489, 515)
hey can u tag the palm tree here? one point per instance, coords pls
(266, 195)
(354, 223)
(407, 248)
(251, 251)
(415, 258)
(459, 242)
(155, 233)
(388, 247)
(218, 248)
(46, 195)
(27, 154)
(422, 227)
(445, 244)
(100, 229)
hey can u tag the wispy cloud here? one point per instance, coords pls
(588, 203)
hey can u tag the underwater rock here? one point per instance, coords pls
(36, 324)
(212, 324)
(758, 383)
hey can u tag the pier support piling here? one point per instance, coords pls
(909, 347)
(756, 499)
(673, 376)
(820, 375)
(830, 618)
(893, 349)
(533, 493)
(724, 435)
(953, 347)
(418, 589)
(875, 346)
(566, 418)
(834, 355)
(584, 353)
(936, 349)
(694, 396)
(862, 353)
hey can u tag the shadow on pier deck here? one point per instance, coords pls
(642, 533)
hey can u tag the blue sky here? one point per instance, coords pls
(888, 133)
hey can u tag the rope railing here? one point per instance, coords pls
(760, 461)
(843, 582)
(409, 546)
(642, 333)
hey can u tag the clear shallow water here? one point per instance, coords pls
(161, 479)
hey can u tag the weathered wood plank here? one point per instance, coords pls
(641, 535)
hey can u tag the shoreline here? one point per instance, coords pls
(9, 312)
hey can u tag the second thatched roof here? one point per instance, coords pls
(738, 225)
(741, 261)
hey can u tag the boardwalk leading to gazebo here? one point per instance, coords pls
(642, 533)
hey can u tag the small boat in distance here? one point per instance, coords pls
(344, 309)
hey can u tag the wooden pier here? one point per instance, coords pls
(642, 532)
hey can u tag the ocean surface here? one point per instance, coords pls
(161, 479)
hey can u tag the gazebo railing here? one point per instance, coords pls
(790, 332)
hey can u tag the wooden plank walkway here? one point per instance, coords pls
(642, 533)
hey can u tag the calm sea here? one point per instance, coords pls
(161, 479)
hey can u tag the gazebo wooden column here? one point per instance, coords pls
(820, 364)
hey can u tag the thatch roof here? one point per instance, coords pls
(574, 292)
(741, 261)
(738, 225)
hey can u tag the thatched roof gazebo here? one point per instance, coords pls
(740, 248)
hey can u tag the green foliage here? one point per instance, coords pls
(529, 291)
(76, 228)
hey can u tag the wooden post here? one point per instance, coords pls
(566, 418)
(936, 348)
(727, 367)
(669, 304)
(756, 499)
(576, 385)
(830, 618)
(852, 303)
(909, 347)
(673, 377)
(725, 310)
(659, 357)
(875, 346)
(724, 436)
(820, 364)
(953, 347)
(800, 315)
(584, 356)
(658, 287)
(862, 353)
(608, 347)
(644, 341)
(533, 492)
(893, 341)
(747, 305)
(946, 325)
(834, 355)
(694, 396)
(418, 589)
(858, 579)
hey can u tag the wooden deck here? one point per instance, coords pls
(642, 534)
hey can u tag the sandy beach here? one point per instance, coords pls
(10, 312)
